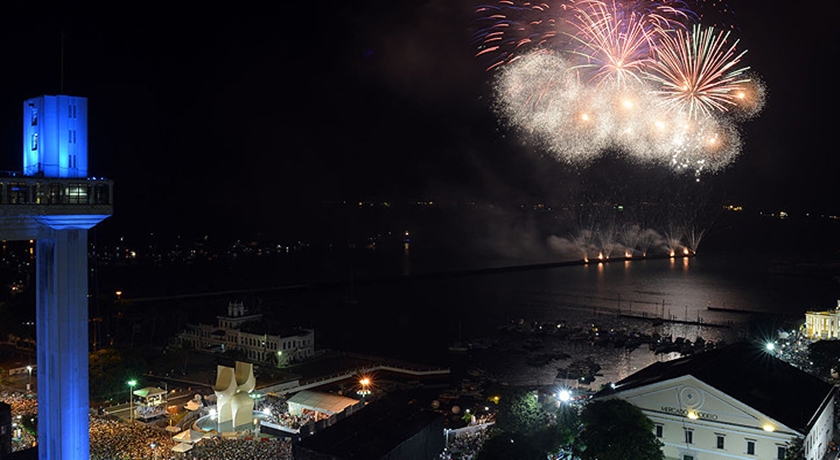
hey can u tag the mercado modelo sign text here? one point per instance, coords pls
(690, 413)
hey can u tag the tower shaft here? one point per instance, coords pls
(62, 338)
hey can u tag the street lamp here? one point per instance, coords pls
(29, 383)
(154, 448)
(131, 384)
(364, 384)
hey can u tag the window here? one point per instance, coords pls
(781, 451)
(658, 431)
(33, 115)
(34, 143)
(18, 192)
(689, 436)
(750, 447)
(688, 457)
(720, 441)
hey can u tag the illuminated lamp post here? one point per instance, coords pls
(131, 384)
(29, 383)
(364, 384)
(564, 396)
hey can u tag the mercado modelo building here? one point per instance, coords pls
(735, 402)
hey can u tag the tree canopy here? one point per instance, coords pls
(614, 429)
(825, 354)
(795, 449)
(525, 430)
(520, 412)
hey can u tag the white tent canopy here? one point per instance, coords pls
(181, 447)
(188, 436)
(325, 403)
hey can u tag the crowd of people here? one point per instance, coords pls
(22, 404)
(242, 449)
(464, 444)
(115, 439)
(112, 438)
(278, 410)
(294, 421)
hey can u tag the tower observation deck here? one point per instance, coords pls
(30, 206)
(54, 202)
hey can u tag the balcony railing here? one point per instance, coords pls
(19, 190)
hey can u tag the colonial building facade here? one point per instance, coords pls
(247, 332)
(823, 324)
(737, 402)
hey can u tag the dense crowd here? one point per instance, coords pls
(278, 408)
(113, 439)
(294, 421)
(242, 449)
(21, 404)
(464, 445)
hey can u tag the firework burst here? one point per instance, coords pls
(697, 72)
(633, 77)
(510, 28)
(616, 41)
(616, 46)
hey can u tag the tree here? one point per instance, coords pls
(795, 449)
(554, 439)
(825, 354)
(520, 412)
(524, 430)
(108, 370)
(510, 446)
(561, 433)
(106, 373)
(614, 429)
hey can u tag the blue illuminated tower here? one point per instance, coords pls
(54, 202)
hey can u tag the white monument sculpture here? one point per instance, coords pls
(233, 388)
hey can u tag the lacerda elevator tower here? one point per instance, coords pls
(54, 201)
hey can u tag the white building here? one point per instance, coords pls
(249, 333)
(823, 324)
(736, 402)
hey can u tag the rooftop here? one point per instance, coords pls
(749, 374)
(375, 430)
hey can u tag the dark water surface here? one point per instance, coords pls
(418, 316)
(412, 299)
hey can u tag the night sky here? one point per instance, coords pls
(226, 113)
